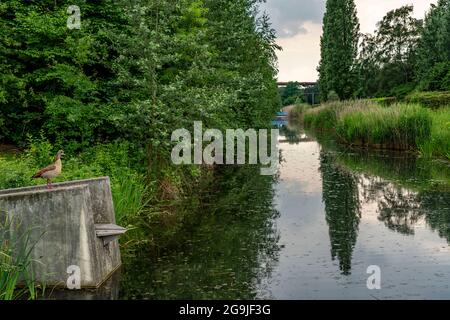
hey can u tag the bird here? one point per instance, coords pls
(52, 171)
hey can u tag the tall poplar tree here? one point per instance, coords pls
(339, 48)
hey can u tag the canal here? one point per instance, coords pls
(312, 231)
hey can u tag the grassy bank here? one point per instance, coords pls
(399, 127)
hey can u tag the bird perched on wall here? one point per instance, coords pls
(52, 171)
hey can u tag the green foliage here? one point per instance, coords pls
(290, 94)
(135, 70)
(432, 100)
(339, 47)
(386, 61)
(398, 127)
(437, 79)
(434, 44)
(333, 96)
(322, 117)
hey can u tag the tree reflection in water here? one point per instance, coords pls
(342, 209)
(225, 255)
(405, 190)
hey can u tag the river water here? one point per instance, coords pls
(312, 232)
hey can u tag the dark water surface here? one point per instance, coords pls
(312, 232)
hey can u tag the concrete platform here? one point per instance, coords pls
(63, 222)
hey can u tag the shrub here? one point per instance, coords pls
(401, 91)
(332, 96)
(321, 118)
(385, 101)
(437, 79)
(430, 99)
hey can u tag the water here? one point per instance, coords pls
(311, 232)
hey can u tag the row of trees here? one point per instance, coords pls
(292, 93)
(403, 54)
(135, 70)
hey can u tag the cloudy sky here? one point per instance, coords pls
(299, 27)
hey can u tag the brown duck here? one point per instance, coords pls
(52, 171)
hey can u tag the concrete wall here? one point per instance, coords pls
(63, 221)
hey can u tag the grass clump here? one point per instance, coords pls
(438, 144)
(299, 110)
(401, 126)
(16, 263)
(322, 117)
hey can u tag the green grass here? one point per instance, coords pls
(299, 110)
(322, 117)
(438, 145)
(400, 126)
(16, 263)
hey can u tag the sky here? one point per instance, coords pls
(299, 26)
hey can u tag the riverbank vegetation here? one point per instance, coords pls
(112, 92)
(394, 88)
(398, 127)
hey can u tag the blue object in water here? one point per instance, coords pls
(279, 123)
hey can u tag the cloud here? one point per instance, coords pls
(289, 16)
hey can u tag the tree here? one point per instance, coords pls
(434, 44)
(136, 70)
(290, 93)
(397, 36)
(386, 61)
(339, 48)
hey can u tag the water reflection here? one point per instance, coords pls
(310, 233)
(382, 208)
(225, 256)
(342, 209)
(407, 190)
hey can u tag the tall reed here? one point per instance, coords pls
(16, 263)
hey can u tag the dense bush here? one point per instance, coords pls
(135, 70)
(437, 79)
(430, 99)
